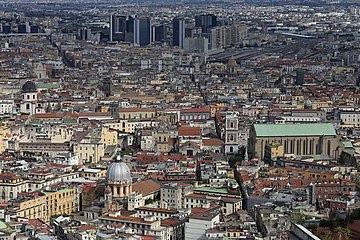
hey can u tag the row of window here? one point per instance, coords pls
(194, 117)
(28, 96)
(47, 147)
(136, 115)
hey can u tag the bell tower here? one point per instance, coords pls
(29, 98)
(231, 133)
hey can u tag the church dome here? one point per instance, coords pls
(308, 104)
(29, 87)
(232, 63)
(118, 172)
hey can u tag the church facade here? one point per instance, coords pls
(299, 139)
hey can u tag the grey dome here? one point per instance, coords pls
(118, 172)
(308, 104)
(29, 87)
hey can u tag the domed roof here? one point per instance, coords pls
(232, 63)
(118, 172)
(29, 87)
(308, 103)
(33, 75)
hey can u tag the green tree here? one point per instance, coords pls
(328, 235)
(339, 230)
(298, 217)
(346, 233)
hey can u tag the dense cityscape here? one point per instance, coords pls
(180, 120)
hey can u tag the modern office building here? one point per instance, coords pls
(142, 31)
(6, 28)
(130, 24)
(196, 44)
(24, 27)
(34, 28)
(84, 33)
(117, 25)
(178, 32)
(227, 36)
(159, 33)
(205, 21)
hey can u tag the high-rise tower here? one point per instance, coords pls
(205, 21)
(142, 31)
(178, 32)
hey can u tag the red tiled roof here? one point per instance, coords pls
(146, 132)
(39, 225)
(161, 210)
(212, 142)
(137, 110)
(8, 176)
(171, 141)
(146, 187)
(54, 115)
(245, 178)
(88, 189)
(195, 110)
(170, 222)
(86, 228)
(189, 131)
(85, 114)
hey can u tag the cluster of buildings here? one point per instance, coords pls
(190, 122)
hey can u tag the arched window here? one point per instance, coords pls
(231, 149)
(231, 137)
(298, 147)
(304, 147)
(231, 125)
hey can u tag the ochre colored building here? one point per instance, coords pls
(43, 205)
